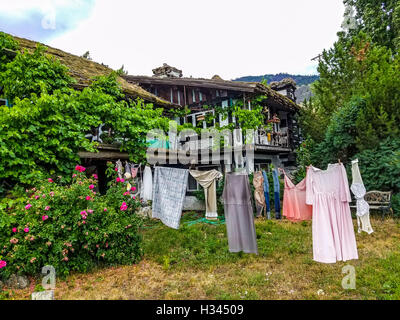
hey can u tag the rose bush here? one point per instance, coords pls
(70, 227)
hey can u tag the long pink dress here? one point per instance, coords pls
(294, 201)
(332, 226)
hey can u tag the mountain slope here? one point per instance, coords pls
(300, 79)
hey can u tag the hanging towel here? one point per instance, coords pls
(294, 201)
(358, 189)
(207, 179)
(239, 216)
(266, 195)
(277, 200)
(169, 193)
(147, 185)
(259, 197)
(332, 226)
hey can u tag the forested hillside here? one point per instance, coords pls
(300, 79)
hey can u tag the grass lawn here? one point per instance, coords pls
(194, 263)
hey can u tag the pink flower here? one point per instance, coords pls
(126, 193)
(47, 208)
(26, 230)
(116, 169)
(2, 264)
(95, 176)
(122, 180)
(44, 196)
(133, 197)
(74, 175)
(91, 187)
(83, 213)
(118, 179)
(28, 206)
(123, 207)
(84, 222)
(105, 209)
(50, 180)
(90, 211)
(133, 188)
(14, 230)
(80, 168)
(52, 193)
(88, 198)
(84, 217)
(44, 218)
(36, 197)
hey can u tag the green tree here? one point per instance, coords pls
(33, 73)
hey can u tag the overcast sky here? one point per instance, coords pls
(231, 38)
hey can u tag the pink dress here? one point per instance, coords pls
(294, 201)
(332, 226)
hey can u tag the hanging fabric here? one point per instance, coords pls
(147, 186)
(127, 174)
(207, 179)
(119, 169)
(294, 201)
(266, 195)
(259, 197)
(239, 216)
(169, 193)
(332, 227)
(358, 189)
(277, 200)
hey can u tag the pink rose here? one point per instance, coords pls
(133, 197)
(44, 196)
(47, 208)
(88, 198)
(84, 222)
(50, 180)
(14, 230)
(105, 209)
(74, 175)
(123, 206)
(126, 193)
(91, 187)
(118, 179)
(44, 218)
(28, 206)
(122, 180)
(95, 176)
(133, 188)
(2, 264)
(36, 197)
(116, 169)
(52, 193)
(26, 230)
(90, 211)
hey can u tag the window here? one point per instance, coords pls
(179, 97)
(172, 95)
(200, 96)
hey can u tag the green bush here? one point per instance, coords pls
(70, 227)
(396, 205)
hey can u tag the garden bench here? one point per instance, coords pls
(377, 200)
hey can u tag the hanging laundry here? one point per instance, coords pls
(294, 201)
(136, 179)
(119, 168)
(266, 195)
(239, 214)
(358, 189)
(277, 200)
(332, 227)
(207, 179)
(127, 174)
(169, 193)
(147, 185)
(259, 197)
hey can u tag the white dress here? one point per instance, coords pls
(147, 185)
(358, 189)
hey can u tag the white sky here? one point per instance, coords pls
(230, 38)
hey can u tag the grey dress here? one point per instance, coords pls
(239, 214)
